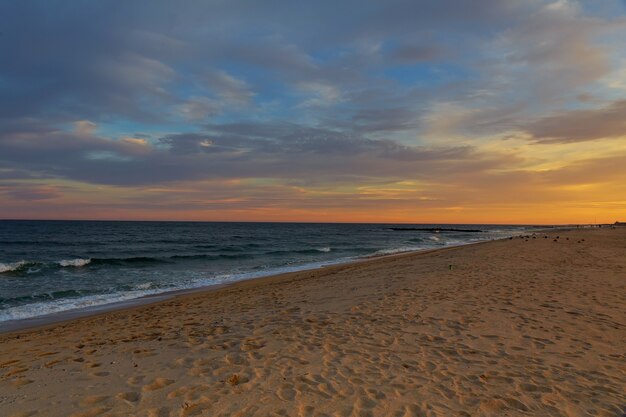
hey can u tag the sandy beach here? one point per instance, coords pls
(518, 327)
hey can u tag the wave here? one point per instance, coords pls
(16, 266)
(49, 243)
(44, 296)
(46, 305)
(393, 251)
(212, 257)
(299, 251)
(136, 260)
(74, 262)
(24, 266)
(205, 246)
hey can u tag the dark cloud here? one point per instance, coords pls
(137, 60)
(265, 150)
(13, 174)
(415, 53)
(28, 192)
(581, 125)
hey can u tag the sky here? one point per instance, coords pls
(413, 111)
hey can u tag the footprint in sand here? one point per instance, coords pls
(94, 412)
(93, 399)
(22, 381)
(24, 414)
(158, 383)
(159, 412)
(130, 397)
(286, 393)
(135, 380)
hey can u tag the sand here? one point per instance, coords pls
(521, 327)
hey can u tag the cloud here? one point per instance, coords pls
(283, 151)
(28, 192)
(607, 170)
(581, 125)
(199, 108)
(415, 53)
(152, 94)
(84, 127)
(320, 94)
(230, 90)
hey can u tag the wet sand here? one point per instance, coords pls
(528, 326)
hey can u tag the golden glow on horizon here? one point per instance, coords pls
(554, 183)
(582, 203)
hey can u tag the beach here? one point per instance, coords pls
(525, 326)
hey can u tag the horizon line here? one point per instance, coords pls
(298, 222)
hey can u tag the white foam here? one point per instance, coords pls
(324, 249)
(74, 262)
(144, 286)
(12, 266)
(397, 250)
(44, 308)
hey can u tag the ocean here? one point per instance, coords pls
(48, 267)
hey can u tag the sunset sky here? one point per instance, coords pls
(443, 111)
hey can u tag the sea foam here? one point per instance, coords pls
(12, 266)
(74, 262)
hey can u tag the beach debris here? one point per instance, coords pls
(450, 267)
(233, 380)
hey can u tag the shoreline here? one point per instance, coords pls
(66, 316)
(51, 319)
(516, 327)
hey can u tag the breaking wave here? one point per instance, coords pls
(74, 262)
